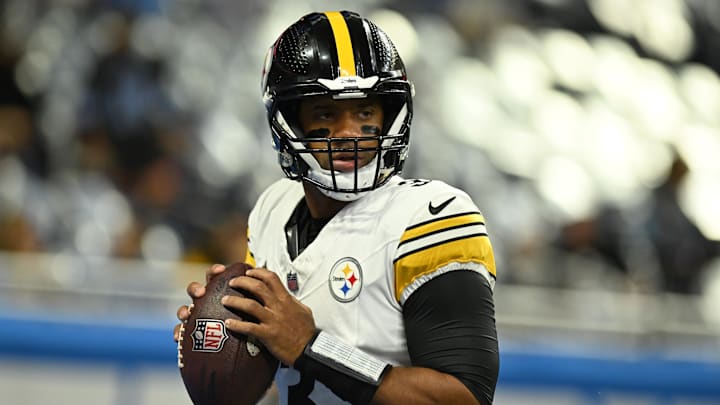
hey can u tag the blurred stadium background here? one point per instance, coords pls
(133, 143)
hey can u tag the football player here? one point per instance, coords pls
(371, 287)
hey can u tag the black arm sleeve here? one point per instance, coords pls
(450, 327)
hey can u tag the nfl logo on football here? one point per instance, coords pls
(209, 335)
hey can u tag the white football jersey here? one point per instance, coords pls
(366, 261)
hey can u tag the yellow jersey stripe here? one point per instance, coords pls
(424, 261)
(436, 244)
(437, 225)
(249, 256)
(346, 58)
(440, 230)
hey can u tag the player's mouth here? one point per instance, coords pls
(343, 162)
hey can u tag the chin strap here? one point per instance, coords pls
(340, 196)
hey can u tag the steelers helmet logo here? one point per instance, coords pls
(345, 279)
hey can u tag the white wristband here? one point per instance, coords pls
(328, 349)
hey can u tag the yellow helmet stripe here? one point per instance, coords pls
(343, 43)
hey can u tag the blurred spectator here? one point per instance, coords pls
(586, 253)
(100, 155)
(125, 94)
(21, 156)
(592, 250)
(151, 181)
(15, 115)
(224, 243)
(681, 248)
(17, 234)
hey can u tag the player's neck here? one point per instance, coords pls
(320, 205)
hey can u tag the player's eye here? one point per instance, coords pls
(323, 115)
(366, 114)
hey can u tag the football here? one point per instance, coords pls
(219, 366)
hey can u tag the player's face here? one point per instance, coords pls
(341, 120)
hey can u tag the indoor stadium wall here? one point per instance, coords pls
(108, 340)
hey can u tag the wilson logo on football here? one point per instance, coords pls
(209, 335)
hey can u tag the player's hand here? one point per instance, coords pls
(284, 326)
(195, 290)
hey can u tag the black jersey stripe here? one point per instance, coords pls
(450, 228)
(410, 228)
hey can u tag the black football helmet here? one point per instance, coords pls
(342, 55)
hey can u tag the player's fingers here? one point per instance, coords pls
(244, 327)
(195, 290)
(176, 332)
(256, 287)
(270, 278)
(213, 271)
(183, 313)
(246, 306)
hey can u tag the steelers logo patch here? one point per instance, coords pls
(345, 279)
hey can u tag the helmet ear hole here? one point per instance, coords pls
(285, 159)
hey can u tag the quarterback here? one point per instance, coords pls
(371, 288)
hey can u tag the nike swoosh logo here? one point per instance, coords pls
(436, 210)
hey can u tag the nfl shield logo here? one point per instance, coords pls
(209, 335)
(292, 282)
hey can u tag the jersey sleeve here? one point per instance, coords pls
(446, 233)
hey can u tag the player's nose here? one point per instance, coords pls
(346, 126)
